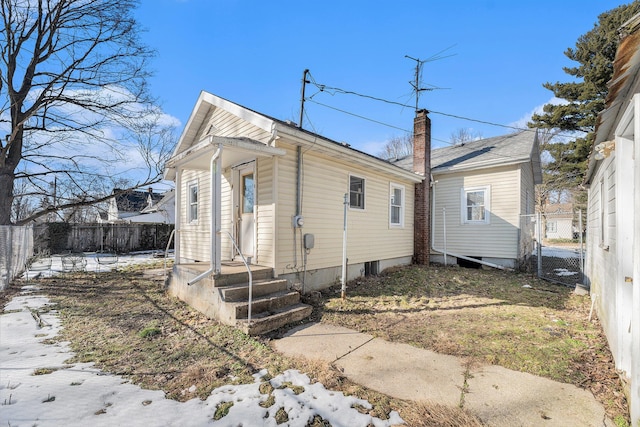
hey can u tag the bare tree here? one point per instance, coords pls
(74, 103)
(463, 135)
(397, 147)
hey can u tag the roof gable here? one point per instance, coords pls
(208, 116)
(259, 128)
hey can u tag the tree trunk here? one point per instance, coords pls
(6, 194)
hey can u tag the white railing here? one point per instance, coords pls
(246, 264)
(166, 251)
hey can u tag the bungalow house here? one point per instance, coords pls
(558, 221)
(124, 205)
(162, 211)
(251, 187)
(613, 214)
(482, 199)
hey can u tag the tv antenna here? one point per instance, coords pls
(418, 78)
(416, 83)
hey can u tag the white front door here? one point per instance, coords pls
(246, 211)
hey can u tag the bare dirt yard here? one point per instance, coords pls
(125, 323)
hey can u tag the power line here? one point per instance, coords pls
(335, 90)
(359, 116)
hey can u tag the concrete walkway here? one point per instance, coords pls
(498, 396)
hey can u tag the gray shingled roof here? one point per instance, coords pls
(500, 150)
(135, 201)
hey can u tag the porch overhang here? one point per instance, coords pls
(236, 151)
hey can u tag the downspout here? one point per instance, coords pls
(298, 203)
(214, 226)
(433, 227)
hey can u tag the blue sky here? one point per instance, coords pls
(254, 53)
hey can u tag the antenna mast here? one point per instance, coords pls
(418, 75)
(304, 83)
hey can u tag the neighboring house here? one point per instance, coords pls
(162, 211)
(613, 214)
(481, 194)
(279, 191)
(124, 205)
(558, 221)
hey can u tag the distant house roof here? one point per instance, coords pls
(514, 148)
(559, 210)
(163, 203)
(135, 201)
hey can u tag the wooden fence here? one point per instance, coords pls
(121, 238)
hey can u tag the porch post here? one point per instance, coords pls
(216, 223)
(176, 236)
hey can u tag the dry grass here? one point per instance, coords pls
(486, 317)
(126, 324)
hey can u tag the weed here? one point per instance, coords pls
(620, 421)
(281, 416)
(43, 371)
(295, 388)
(222, 410)
(150, 331)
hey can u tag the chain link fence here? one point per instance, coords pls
(559, 249)
(16, 248)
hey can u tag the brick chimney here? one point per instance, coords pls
(422, 165)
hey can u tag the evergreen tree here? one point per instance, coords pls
(584, 98)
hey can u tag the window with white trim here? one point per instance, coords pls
(356, 192)
(552, 227)
(193, 201)
(475, 205)
(396, 205)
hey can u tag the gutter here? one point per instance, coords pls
(444, 251)
(213, 230)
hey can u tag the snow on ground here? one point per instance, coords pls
(98, 264)
(80, 395)
(559, 252)
(564, 272)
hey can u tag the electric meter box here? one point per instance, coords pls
(308, 241)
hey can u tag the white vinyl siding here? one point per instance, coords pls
(498, 239)
(222, 123)
(325, 182)
(194, 235)
(264, 211)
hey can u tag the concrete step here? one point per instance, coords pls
(240, 277)
(260, 288)
(268, 321)
(265, 303)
